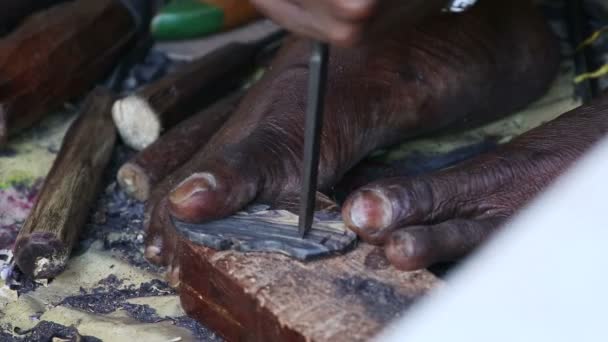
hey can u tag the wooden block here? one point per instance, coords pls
(270, 297)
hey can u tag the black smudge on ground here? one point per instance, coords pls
(45, 332)
(117, 221)
(6, 151)
(200, 332)
(109, 297)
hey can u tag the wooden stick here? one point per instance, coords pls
(12, 12)
(46, 239)
(56, 55)
(151, 165)
(141, 117)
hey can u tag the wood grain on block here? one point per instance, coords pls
(144, 115)
(266, 296)
(57, 54)
(147, 168)
(46, 239)
(271, 297)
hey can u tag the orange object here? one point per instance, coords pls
(236, 12)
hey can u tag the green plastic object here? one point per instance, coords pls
(184, 19)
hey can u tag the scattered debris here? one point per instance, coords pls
(116, 227)
(108, 297)
(49, 331)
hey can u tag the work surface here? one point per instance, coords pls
(108, 289)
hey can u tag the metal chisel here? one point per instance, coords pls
(312, 134)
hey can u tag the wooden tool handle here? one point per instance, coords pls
(150, 166)
(46, 239)
(200, 82)
(141, 117)
(56, 55)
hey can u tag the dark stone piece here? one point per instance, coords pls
(271, 231)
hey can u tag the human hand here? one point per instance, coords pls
(346, 22)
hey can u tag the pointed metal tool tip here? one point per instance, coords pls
(312, 135)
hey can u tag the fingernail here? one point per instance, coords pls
(192, 186)
(370, 210)
(172, 276)
(407, 252)
(152, 253)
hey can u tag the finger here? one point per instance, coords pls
(341, 23)
(218, 184)
(317, 20)
(466, 190)
(351, 10)
(378, 208)
(418, 247)
(160, 239)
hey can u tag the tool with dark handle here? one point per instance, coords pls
(142, 116)
(51, 230)
(66, 64)
(312, 134)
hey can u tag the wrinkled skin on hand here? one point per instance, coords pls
(443, 216)
(452, 70)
